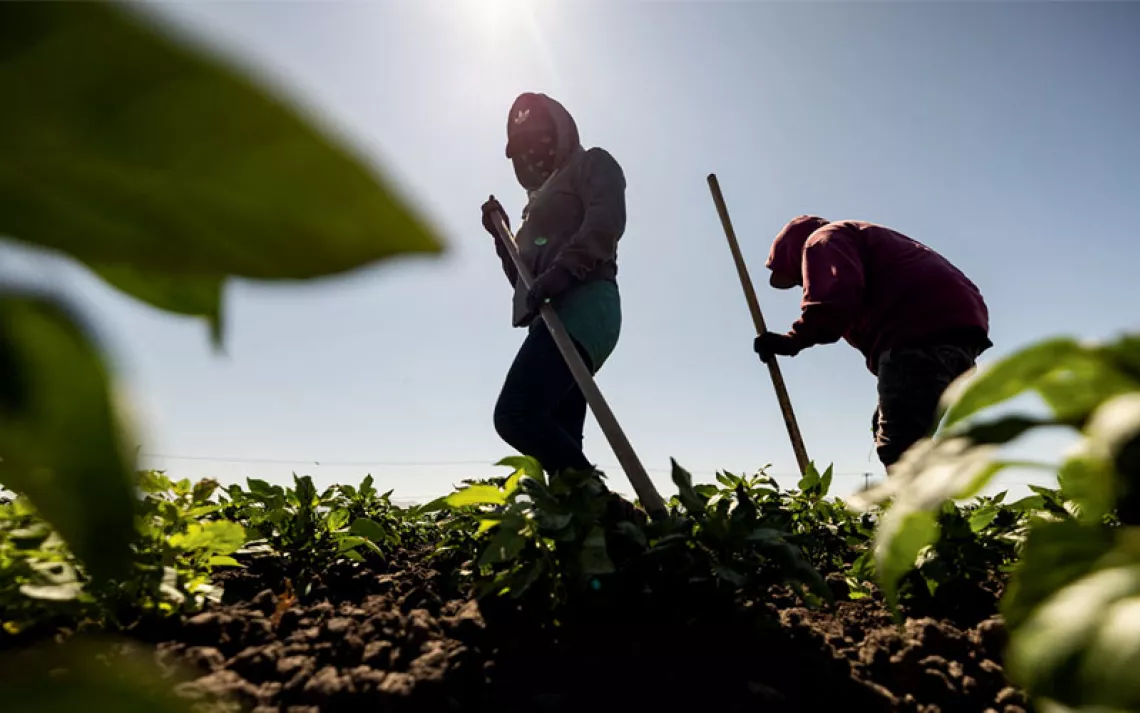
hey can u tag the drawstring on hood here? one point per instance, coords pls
(785, 259)
(541, 138)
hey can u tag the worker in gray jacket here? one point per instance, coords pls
(574, 217)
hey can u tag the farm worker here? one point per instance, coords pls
(573, 219)
(919, 322)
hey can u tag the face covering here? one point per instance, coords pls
(533, 153)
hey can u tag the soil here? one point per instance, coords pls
(403, 640)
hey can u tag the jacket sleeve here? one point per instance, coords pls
(600, 182)
(833, 279)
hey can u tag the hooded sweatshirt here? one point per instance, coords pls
(876, 288)
(574, 221)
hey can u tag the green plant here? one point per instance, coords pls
(545, 540)
(166, 173)
(832, 536)
(975, 547)
(175, 549)
(178, 546)
(400, 526)
(39, 580)
(310, 530)
(1074, 594)
(94, 674)
(742, 531)
(556, 541)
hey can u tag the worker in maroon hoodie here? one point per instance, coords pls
(919, 322)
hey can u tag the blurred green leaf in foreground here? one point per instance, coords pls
(166, 171)
(87, 675)
(60, 437)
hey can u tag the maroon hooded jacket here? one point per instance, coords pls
(876, 288)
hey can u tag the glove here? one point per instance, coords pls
(549, 284)
(770, 344)
(491, 207)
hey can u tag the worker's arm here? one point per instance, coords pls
(833, 279)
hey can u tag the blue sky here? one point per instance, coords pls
(1002, 134)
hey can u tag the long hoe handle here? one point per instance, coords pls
(758, 320)
(621, 446)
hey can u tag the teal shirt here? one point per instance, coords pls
(591, 313)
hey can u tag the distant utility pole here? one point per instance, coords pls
(866, 480)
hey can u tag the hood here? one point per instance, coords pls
(532, 106)
(786, 256)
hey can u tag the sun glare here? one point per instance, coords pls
(495, 19)
(508, 35)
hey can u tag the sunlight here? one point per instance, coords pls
(510, 35)
(495, 19)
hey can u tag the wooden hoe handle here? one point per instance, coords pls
(758, 320)
(650, 498)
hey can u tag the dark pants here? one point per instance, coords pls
(911, 382)
(541, 411)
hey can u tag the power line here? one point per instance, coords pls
(489, 463)
(361, 464)
(276, 461)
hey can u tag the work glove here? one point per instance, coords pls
(551, 283)
(770, 344)
(491, 207)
